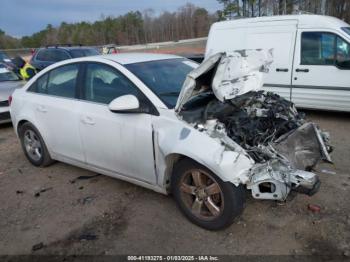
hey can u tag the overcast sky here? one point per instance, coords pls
(24, 17)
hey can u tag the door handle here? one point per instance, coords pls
(88, 120)
(281, 69)
(41, 109)
(302, 70)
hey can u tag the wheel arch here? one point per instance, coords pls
(20, 124)
(170, 162)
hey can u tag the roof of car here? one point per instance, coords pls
(131, 58)
(67, 47)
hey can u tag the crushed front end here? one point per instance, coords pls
(222, 97)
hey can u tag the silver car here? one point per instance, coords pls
(9, 81)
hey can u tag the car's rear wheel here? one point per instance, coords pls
(33, 145)
(204, 198)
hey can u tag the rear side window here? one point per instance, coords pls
(58, 82)
(83, 52)
(52, 55)
(104, 83)
(318, 48)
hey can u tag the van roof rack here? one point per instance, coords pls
(62, 45)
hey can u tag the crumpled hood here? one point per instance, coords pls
(227, 74)
(8, 87)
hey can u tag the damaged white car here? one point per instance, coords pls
(203, 133)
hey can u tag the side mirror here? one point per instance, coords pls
(343, 64)
(125, 104)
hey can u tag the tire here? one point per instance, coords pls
(34, 146)
(213, 204)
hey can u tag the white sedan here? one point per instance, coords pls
(131, 116)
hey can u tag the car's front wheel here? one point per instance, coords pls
(33, 145)
(204, 198)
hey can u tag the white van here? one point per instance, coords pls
(311, 55)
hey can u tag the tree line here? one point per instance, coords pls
(252, 8)
(189, 21)
(134, 27)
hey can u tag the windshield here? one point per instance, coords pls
(7, 75)
(83, 52)
(164, 77)
(346, 29)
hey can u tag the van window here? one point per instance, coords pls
(318, 48)
(343, 54)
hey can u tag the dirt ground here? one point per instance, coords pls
(102, 215)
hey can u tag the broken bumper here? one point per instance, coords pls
(274, 180)
(293, 153)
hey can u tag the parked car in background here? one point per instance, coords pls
(9, 81)
(163, 123)
(46, 56)
(311, 55)
(5, 59)
(110, 49)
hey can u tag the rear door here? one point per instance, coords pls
(281, 38)
(116, 142)
(321, 75)
(57, 111)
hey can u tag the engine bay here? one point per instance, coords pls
(228, 104)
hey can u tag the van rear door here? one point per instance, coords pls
(279, 35)
(321, 70)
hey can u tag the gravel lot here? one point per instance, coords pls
(102, 215)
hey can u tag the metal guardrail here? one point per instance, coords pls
(25, 52)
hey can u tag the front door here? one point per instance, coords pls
(117, 142)
(321, 75)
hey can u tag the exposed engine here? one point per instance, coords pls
(233, 109)
(251, 120)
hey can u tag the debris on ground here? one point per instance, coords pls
(87, 237)
(314, 208)
(328, 172)
(81, 188)
(37, 194)
(86, 200)
(19, 192)
(83, 178)
(38, 246)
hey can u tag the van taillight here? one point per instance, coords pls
(10, 100)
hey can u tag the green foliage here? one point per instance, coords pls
(8, 42)
(130, 28)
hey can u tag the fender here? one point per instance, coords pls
(177, 137)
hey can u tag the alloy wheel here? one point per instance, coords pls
(201, 194)
(32, 145)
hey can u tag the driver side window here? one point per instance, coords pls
(343, 54)
(324, 48)
(104, 83)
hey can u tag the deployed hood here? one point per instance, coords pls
(227, 75)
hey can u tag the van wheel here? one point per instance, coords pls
(33, 146)
(204, 198)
